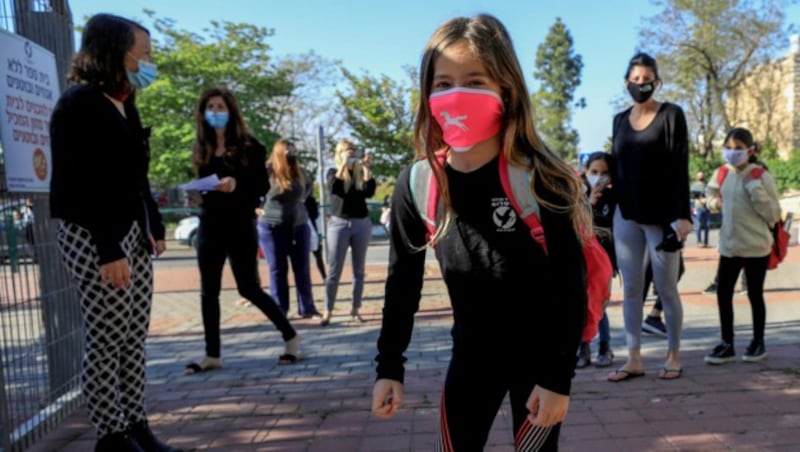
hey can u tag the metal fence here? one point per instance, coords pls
(41, 335)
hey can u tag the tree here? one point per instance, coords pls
(379, 112)
(311, 104)
(705, 51)
(559, 70)
(229, 54)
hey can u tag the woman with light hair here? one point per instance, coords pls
(350, 184)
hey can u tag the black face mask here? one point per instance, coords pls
(291, 159)
(641, 93)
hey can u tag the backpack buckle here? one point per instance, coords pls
(537, 234)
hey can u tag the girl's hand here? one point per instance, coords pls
(227, 184)
(387, 396)
(546, 408)
(597, 193)
(684, 228)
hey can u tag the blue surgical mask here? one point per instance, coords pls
(145, 76)
(216, 119)
(735, 156)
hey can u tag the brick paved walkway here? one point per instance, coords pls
(322, 404)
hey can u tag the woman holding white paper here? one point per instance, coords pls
(225, 148)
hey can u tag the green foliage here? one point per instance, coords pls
(228, 54)
(699, 163)
(383, 190)
(786, 172)
(559, 70)
(705, 51)
(379, 111)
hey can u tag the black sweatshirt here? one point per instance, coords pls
(510, 301)
(351, 203)
(650, 170)
(603, 219)
(100, 165)
(251, 182)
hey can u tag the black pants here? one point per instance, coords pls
(473, 393)
(236, 239)
(755, 269)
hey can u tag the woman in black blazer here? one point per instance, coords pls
(109, 223)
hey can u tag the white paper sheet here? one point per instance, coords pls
(207, 183)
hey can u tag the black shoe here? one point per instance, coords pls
(117, 442)
(141, 432)
(723, 353)
(654, 325)
(755, 352)
(712, 288)
(584, 355)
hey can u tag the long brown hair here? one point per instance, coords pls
(490, 42)
(284, 173)
(237, 136)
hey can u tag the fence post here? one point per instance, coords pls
(11, 240)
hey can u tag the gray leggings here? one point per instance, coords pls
(343, 233)
(633, 242)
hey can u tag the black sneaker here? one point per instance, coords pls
(712, 288)
(654, 325)
(755, 352)
(723, 353)
(584, 355)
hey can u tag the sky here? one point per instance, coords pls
(382, 37)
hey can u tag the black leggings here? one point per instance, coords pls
(755, 269)
(473, 393)
(236, 239)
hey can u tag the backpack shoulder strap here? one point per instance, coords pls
(425, 191)
(757, 172)
(516, 184)
(722, 173)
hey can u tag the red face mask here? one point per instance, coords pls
(467, 116)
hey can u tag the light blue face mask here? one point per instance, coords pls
(735, 157)
(216, 119)
(145, 76)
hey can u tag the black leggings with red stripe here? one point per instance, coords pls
(474, 390)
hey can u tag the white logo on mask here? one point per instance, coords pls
(448, 121)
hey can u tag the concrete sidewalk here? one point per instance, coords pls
(322, 403)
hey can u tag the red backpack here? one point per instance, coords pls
(516, 184)
(780, 232)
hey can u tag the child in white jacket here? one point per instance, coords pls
(748, 199)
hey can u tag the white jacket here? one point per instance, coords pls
(750, 209)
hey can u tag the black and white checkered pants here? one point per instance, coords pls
(115, 323)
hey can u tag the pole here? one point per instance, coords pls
(323, 196)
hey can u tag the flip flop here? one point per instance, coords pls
(665, 373)
(626, 375)
(204, 366)
(287, 359)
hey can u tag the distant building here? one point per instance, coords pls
(768, 102)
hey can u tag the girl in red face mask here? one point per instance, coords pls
(475, 115)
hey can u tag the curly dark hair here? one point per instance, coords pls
(105, 41)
